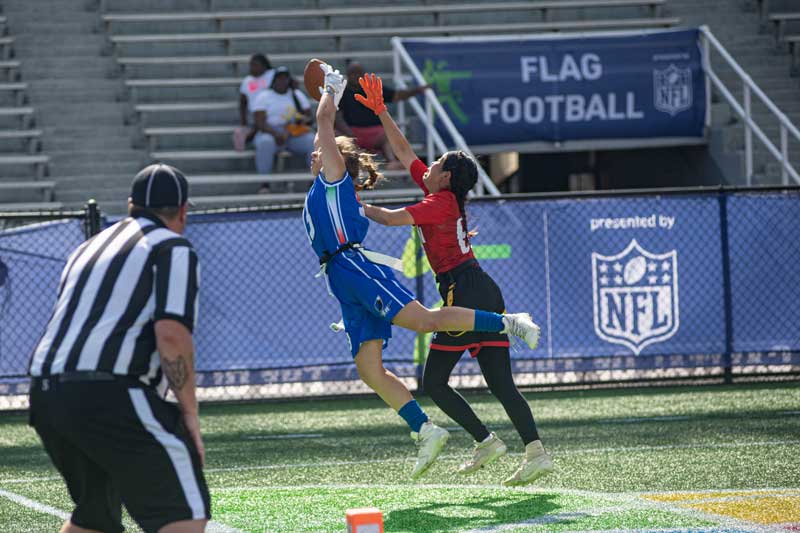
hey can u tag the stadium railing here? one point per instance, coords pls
(730, 306)
(744, 110)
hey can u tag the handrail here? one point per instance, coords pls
(434, 109)
(744, 111)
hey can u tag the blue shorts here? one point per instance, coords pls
(370, 297)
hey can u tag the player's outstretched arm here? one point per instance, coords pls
(388, 217)
(373, 89)
(332, 161)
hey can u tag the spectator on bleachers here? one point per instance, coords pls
(258, 81)
(282, 121)
(355, 120)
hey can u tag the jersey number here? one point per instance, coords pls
(463, 243)
(309, 223)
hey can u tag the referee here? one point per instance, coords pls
(121, 331)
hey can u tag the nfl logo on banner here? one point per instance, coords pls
(635, 296)
(673, 89)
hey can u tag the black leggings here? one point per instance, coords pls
(495, 363)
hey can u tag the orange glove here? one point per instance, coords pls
(373, 88)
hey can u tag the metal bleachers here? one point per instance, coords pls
(22, 165)
(780, 21)
(182, 68)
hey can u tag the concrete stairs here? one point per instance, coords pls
(737, 25)
(78, 95)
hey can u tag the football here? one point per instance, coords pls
(313, 78)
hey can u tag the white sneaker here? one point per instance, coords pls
(430, 439)
(521, 325)
(485, 452)
(537, 463)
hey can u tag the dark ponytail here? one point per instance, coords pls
(463, 177)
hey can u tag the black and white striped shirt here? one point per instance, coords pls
(113, 289)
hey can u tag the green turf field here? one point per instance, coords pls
(697, 459)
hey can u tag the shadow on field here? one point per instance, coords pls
(488, 511)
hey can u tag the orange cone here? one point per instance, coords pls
(367, 520)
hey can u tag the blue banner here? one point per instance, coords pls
(765, 278)
(522, 90)
(31, 261)
(617, 283)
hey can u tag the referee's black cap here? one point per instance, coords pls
(160, 185)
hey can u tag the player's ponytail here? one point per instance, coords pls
(359, 162)
(463, 177)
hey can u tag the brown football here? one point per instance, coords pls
(313, 78)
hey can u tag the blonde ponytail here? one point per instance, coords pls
(358, 162)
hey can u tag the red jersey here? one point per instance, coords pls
(442, 228)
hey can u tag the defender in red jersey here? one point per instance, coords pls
(441, 218)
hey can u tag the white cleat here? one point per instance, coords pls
(522, 325)
(485, 452)
(430, 439)
(536, 464)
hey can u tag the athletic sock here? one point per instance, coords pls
(413, 414)
(487, 321)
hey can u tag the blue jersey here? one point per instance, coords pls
(333, 215)
(369, 293)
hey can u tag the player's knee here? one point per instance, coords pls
(370, 374)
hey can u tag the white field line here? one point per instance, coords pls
(720, 491)
(539, 520)
(32, 504)
(285, 437)
(643, 420)
(20, 481)
(555, 452)
(213, 527)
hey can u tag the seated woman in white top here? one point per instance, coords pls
(258, 81)
(282, 120)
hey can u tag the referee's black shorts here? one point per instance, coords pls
(117, 443)
(468, 285)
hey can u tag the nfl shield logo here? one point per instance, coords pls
(635, 296)
(673, 89)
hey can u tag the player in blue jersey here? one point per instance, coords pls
(363, 281)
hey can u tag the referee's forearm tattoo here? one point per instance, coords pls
(176, 371)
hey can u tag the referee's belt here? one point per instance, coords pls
(89, 376)
(373, 257)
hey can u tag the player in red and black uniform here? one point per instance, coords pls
(441, 219)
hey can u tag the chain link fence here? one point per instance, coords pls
(667, 285)
(34, 247)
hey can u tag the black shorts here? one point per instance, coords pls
(116, 443)
(474, 289)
